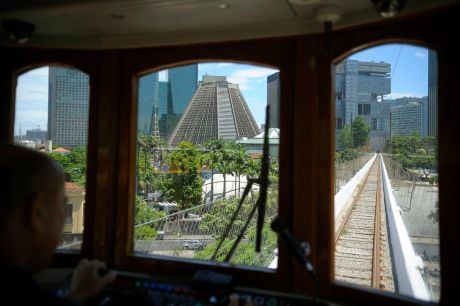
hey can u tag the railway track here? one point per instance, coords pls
(362, 253)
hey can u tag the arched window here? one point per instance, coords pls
(386, 232)
(200, 134)
(51, 116)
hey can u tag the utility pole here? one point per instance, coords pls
(391, 142)
(352, 152)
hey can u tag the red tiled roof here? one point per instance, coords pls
(73, 186)
(61, 150)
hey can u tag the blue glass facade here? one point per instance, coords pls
(170, 98)
(184, 81)
(162, 102)
(148, 94)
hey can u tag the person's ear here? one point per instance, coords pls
(35, 213)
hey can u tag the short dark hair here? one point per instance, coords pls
(24, 173)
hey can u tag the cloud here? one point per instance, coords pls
(397, 95)
(420, 54)
(32, 100)
(220, 65)
(246, 77)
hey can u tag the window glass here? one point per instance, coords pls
(199, 141)
(51, 116)
(386, 180)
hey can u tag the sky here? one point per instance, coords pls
(409, 77)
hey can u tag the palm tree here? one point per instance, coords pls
(148, 143)
(240, 161)
(212, 157)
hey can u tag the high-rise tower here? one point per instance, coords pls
(68, 107)
(432, 94)
(148, 95)
(273, 97)
(168, 98)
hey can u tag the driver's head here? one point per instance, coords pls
(32, 207)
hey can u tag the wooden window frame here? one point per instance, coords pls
(136, 63)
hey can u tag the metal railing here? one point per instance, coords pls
(346, 170)
(195, 232)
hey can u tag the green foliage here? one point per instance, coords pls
(347, 154)
(232, 158)
(147, 156)
(426, 163)
(245, 254)
(216, 220)
(145, 214)
(415, 152)
(360, 132)
(421, 152)
(433, 180)
(345, 137)
(73, 164)
(185, 187)
(413, 144)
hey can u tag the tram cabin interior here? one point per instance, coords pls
(156, 110)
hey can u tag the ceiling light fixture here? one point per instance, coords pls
(303, 2)
(388, 8)
(224, 6)
(17, 30)
(327, 15)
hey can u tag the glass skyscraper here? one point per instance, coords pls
(432, 94)
(273, 98)
(148, 94)
(68, 107)
(184, 81)
(169, 98)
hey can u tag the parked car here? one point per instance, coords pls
(193, 245)
(161, 235)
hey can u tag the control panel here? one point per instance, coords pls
(132, 289)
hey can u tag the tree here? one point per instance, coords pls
(146, 159)
(426, 163)
(187, 183)
(360, 132)
(73, 164)
(211, 158)
(216, 220)
(241, 162)
(143, 215)
(413, 151)
(345, 137)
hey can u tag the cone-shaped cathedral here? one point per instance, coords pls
(217, 110)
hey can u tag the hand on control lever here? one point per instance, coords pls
(89, 277)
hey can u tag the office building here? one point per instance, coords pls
(166, 98)
(148, 92)
(432, 94)
(37, 135)
(407, 119)
(68, 107)
(360, 89)
(273, 98)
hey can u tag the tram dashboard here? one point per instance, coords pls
(207, 288)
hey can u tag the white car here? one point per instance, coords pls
(193, 245)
